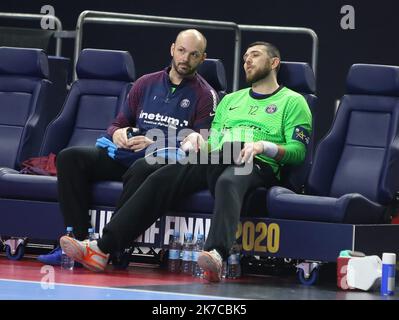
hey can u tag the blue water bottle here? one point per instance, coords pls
(388, 274)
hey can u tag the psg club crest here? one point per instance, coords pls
(271, 108)
(185, 103)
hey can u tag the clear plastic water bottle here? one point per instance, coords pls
(91, 235)
(174, 253)
(197, 248)
(224, 269)
(234, 262)
(67, 263)
(187, 257)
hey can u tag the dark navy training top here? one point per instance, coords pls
(152, 103)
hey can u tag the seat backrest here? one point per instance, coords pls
(213, 71)
(104, 80)
(360, 154)
(23, 89)
(299, 76)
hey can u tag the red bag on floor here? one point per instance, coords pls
(44, 166)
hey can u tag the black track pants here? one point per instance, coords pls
(149, 190)
(77, 169)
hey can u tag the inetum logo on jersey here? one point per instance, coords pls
(162, 120)
(271, 108)
(185, 103)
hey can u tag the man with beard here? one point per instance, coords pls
(170, 100)
(271, 122)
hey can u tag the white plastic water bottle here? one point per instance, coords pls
(174, 253)
(198, 247)
(67, 263)
(187, 257)
(388, 274)
(234, 262)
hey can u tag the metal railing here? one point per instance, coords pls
(100, 17)
(31, 16)
(145, 20)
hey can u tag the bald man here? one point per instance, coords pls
(171, 100)
(187, 52)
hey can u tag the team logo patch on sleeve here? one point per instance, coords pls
(301, 134)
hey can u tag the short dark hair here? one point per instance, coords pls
(271, 49)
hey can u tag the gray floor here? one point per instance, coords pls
(273, 287)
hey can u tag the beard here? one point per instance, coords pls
(258, 75)
(186, 72)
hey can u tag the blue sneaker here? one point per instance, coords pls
(53, 258)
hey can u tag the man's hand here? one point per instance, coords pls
(250, 150)
(138, 143)
(193, 141)
(120, 138)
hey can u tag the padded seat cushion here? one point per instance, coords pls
(285, 204)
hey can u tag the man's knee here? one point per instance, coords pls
(168, 176)
(226, 183)
(71, 158)
(66, 156)
(139, 167)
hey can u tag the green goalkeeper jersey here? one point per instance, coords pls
(282, 117)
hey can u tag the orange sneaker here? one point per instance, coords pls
(85, 252)
(211, 262)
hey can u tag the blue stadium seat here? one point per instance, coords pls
(104, 80)
(212, 70)
(24, 87)
(297, 76)
(93, 101)
(353, 178)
